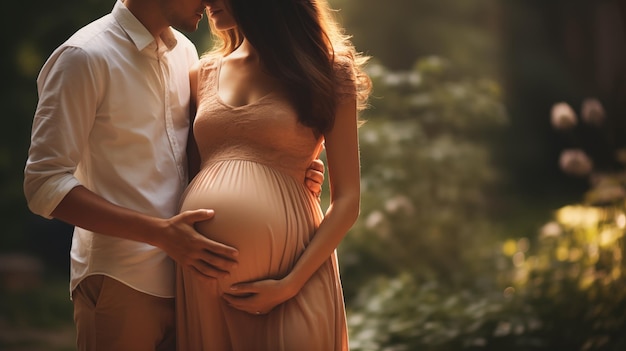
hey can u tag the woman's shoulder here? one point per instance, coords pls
(208, 61)
(205, 68)
(203, 73)
(345, 75)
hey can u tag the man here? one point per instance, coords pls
(108, 156)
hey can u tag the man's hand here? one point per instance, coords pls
(192, 250)
(314, 177)
(176, 236)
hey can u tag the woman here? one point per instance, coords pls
(283, 83)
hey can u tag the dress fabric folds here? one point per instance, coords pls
(254, 159)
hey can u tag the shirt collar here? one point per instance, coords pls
(140, 36)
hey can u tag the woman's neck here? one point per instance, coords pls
(245, 51)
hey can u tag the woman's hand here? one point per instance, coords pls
(259, 297)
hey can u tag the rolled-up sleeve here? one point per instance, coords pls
(68, 98)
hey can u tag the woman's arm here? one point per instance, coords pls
(342, 153)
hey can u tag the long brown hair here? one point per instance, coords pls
(300, 43)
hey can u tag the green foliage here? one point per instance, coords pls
(432, 272)
(404, 314)
(566, 291)
(575, 278)
(399, 31)
(428, 186)
(426, 176)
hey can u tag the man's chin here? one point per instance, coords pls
(189, 28)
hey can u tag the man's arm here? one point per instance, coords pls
(61, 129)
(176, 236)
(314, 177)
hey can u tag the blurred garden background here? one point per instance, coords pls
(493, 210)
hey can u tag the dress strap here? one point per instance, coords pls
(207, 76)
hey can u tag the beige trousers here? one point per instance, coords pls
(111, 316)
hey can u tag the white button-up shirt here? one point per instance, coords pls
(113, 116)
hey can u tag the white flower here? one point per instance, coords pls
(563, 116)
(592, 111)
(399, 203)
(376, 70)
(550, 229)
(374, 219)
(575, 162)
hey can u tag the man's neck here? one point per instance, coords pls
(148, 13)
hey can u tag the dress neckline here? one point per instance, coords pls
(219, 97)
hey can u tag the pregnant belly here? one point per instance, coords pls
(263, 213)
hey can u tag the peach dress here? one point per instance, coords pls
(254, 159)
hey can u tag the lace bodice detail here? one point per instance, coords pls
(265, 131)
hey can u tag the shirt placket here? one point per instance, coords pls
(169, 117)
